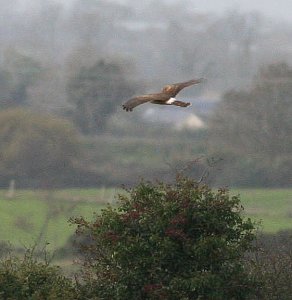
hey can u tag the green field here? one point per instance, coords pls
(272, 206)
(31, 217)
(40, 216)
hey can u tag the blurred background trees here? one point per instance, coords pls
(82, 61)
(94, 92)
(17, 74)
(258, 120)
(251, 130)
(36, 150)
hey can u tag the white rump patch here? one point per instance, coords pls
(170, 101)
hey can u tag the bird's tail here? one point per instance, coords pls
(181, 103)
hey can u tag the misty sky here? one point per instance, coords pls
(279, 9)
(276, 9)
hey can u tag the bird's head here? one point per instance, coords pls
(167, 89)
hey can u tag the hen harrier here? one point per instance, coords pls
(165, 97)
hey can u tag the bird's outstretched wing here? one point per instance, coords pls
(174, 89)
(169, 91)
(135, 101)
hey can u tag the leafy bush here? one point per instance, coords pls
(180, 241)
(28, 278)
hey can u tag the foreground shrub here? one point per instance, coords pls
(271, 264)
(180, 241)
(28, 278)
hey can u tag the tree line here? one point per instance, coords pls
(81, 70)
(249, 129)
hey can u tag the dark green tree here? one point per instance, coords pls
(180, 241)
(96, 93)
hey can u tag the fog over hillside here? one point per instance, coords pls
(160, 41)
(82, 59)
(277, 10)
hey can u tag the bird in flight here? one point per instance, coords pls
(165, 97)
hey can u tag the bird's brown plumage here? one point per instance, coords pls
(168, 92)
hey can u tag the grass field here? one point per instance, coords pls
(31, 217)
(39, 216)
(272, 206)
